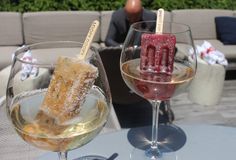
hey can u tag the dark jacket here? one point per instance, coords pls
(119, 26)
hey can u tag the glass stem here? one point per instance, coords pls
(155, 117)
(62, 155)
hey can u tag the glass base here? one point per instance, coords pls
(171, 138)
(91, 157)
(150, 154)
(170, 135)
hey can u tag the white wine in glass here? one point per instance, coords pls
(26, 94)
(157, 67)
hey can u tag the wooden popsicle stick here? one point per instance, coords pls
(88, 40)
(159, 21)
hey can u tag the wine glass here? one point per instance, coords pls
(32, 107)
(157, 67)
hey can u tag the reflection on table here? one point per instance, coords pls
(207, 142)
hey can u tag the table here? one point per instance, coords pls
(205, 142)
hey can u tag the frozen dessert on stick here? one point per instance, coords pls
(158, 50)
(156, 62)
(70, 83)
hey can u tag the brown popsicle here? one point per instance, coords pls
(71, 81)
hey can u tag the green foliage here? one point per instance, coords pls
(191, 4)
(98, 5)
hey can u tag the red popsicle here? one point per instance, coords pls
(157, 53)
(156, 64)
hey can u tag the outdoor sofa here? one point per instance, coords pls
(17, 29)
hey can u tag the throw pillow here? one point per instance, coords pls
(226, 29)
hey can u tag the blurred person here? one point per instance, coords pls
(121, 19)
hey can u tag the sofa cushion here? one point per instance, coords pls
(227, 50)
(58, 25)
(28, 84)
(234, 13)
(6, 55)
(214, 42)
(10, 28)
(201, 21)
(105, 22)
(4, 74)
(226, 29)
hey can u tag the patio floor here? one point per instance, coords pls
(186, 112)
